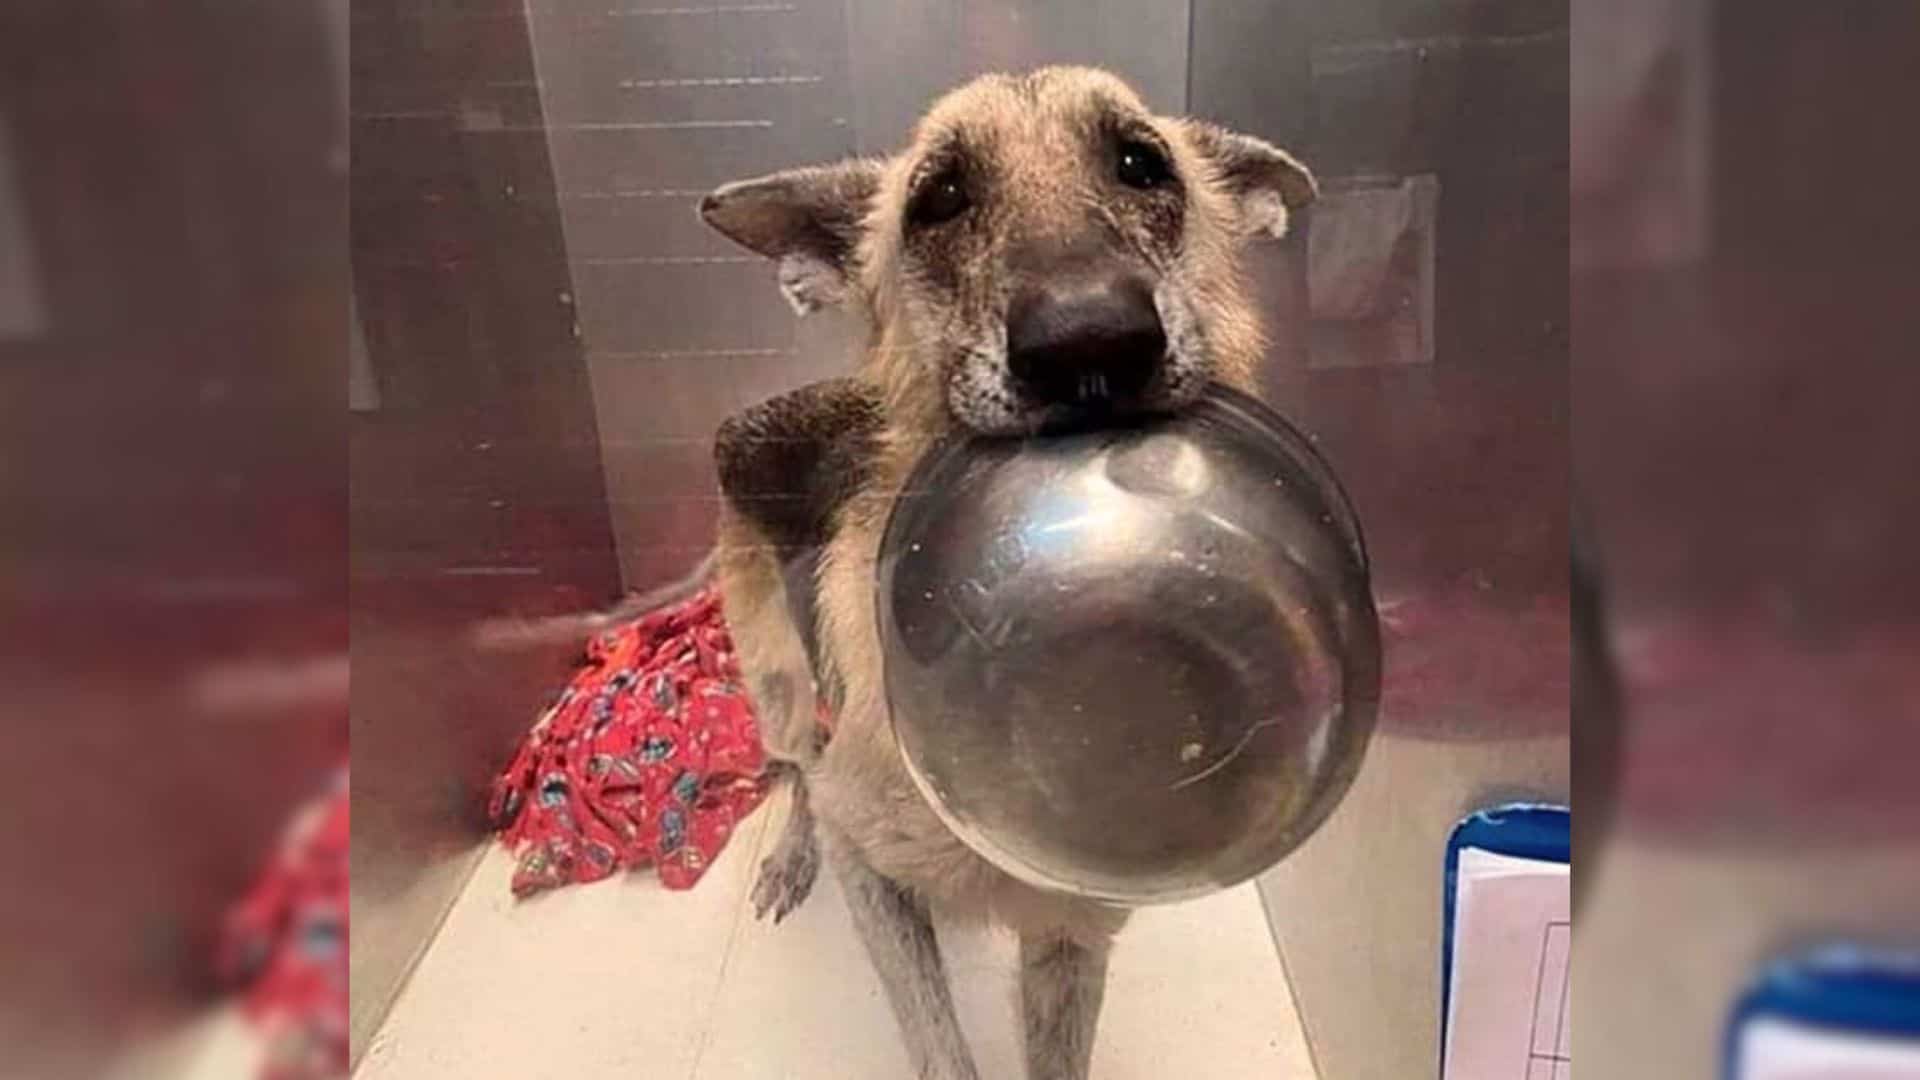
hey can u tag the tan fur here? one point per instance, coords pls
(927, 345)
(1051, 194)
(771, 652)
(861, 788)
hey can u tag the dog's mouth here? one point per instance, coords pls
(1122, 380)
(1112, 373)
(1103, 399)
(991, 401)
(1086, 347)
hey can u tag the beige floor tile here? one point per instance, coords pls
(625, 979)
(219, 1044)
(612, 979)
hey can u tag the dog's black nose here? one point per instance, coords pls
(1085, 340)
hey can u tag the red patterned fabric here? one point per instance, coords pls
(285, 942)
(650, 756)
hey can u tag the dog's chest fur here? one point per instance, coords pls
(809, 479)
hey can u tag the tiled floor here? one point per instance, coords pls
(626, 979)
(217, 1045)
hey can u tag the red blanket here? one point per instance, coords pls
(285, 942)
(650, 756)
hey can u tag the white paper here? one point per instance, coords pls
(1512, 932)
(1777, 1049)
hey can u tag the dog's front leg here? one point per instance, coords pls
(898, 934)
(786, 874)
(1062, 983)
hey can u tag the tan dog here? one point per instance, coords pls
(1046, 251)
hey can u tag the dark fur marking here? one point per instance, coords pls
(938, 251)
(787, 873)
(788, 464)
(774, 693)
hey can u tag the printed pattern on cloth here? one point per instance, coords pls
(651, 755)
(285, 944)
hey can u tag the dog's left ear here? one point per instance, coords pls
(1267, 181)
(808, 220)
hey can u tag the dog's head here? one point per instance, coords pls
(1046, 250)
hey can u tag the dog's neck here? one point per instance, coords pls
(912, 403)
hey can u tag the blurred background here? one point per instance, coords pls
(173, 632)
(1743, 239)
(517, 345)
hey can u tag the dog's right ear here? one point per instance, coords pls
(1268, 182)
(808, 220)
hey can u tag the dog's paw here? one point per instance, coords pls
(786, 876)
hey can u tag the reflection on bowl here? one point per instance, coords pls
(1136, 664)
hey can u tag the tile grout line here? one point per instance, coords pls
(707, 1018)
(359, 1056)
(1286, 979)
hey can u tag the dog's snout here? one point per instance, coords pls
(1081, 340)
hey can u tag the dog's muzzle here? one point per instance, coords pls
(1086, 341)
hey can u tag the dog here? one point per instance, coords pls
(1046, 251)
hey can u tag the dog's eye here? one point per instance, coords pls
(942, 198)
(1142, 166)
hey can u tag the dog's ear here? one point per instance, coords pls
(1267, 181)
(807, 220)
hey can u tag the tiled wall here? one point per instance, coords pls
(1459, 468)
(482, 458)
(477, 486)
(649, 105)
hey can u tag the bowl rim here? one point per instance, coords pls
(1220, 404)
